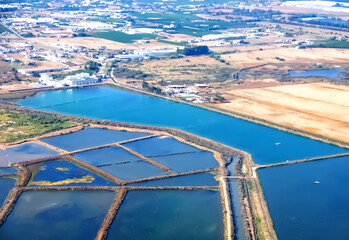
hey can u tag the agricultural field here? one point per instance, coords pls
(123, 37)
(318, 108)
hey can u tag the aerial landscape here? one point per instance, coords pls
(174, 119)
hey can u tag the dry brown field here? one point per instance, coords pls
(290, 55)
(319, 108)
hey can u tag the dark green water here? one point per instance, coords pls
(118, 105)
(303, 210)
(170, 215)
(57, 215)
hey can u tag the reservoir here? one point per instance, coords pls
(267, 145)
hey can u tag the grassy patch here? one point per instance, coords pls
(61, 76)
(173, 43)
(123, 37)
(331, 44)
(17, 126)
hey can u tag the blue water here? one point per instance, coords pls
(57, 215)
(303, 210)
(188, 161)
(55, 171)
(26, 152)
(236, 209)
(198, 179)
(90, 137)
(8, 170)
(118, 105)
(6, 184)
(107, 155)
(170, 215)
(162, 145)
(330, 73)
(133, 170)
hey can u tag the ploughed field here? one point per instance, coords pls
(136, 184)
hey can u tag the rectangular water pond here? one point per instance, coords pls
(170, 215)
(8, 170)
(6, 184)
(188, 161)
(133, 170)
(63, 173)
(308, 200)
(91, 137)
(107, 155)
(57, 215)
(198, 179)
(26, 152)
(161, 145)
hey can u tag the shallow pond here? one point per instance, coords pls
(308, 200)
(62, 173)
(170, 215)
(90, 137)
(133, 170)
(330, 73)
(198, 179)
(6, 184)
(161, 145)
(107, 155)
(188, 161)
(8, 170)
(57, 215)
(27, 151)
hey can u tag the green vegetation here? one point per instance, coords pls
(123, 37)
(150, 88)
(16, 126)
(123, 72)
(173, 43)
(194, 51)
(106, 20)
(61, 76)
(331, 44)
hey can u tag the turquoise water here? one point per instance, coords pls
(90, 137)
(8, 170)
(188, 161)
(303, 210)
(133, 170)
(170, 215)
(198, 179)
(57, 215)
(6, 184)
(118, 105)
(27, 151)
(56, 171)
(330, 73)
(107, 155)
(161, 145)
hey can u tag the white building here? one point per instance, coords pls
(80, 79)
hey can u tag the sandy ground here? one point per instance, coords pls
(290, 55)
(319, 108)
(91, 42)
(5, 88)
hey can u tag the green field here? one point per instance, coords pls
(123, 37)
(331, 44)
(17, 126)
(173, 43)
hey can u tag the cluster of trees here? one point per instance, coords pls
(129, 73)
(149, 88)
(194, 51)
